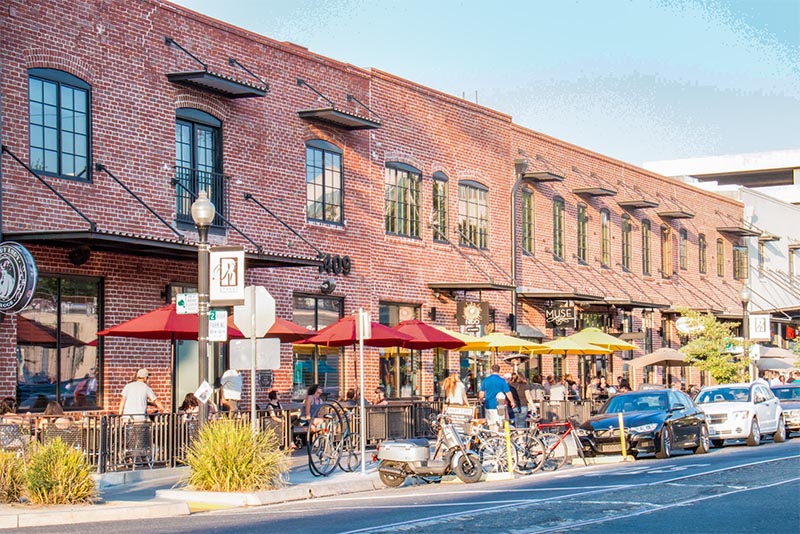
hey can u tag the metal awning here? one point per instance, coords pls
(216, 83)
(527, 331)
(340, 118)
(542, 176)
(469, 286)
(766, 237)
(535, 294)
(741, 231)
(146, 246)
(676, 214)
(630, 303)
(596, 191)
(637, 204)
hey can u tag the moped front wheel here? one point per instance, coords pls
(468, 468)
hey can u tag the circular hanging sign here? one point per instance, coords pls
(18, 277)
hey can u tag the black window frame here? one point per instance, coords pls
(683, 260)
(647, 232)
(328, 152)
(627, 231)
(702, 254)
(667, 254)
(582, 219)
(473, 227)
(558, 228)
(407, 223)
(193, 177)
(440, 193)
(61, 79)
(720, 257)
(740, 262)
(605, 238)
(528, 221)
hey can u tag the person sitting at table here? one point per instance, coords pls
(311, 406)
(54, 414)
(380, 396)
(8, 412)
(191, 406)
(274, 408)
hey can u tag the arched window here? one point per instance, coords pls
(473, 214)
(667, 269)
(583, 223)
(324, 182)
(683, 261)
(720, 257)
(626, 242)
(528, 222)
(59, 124)
(646, 231)
(198, 162)
(702, 249)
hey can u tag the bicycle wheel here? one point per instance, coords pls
(531, 453)
(323, 454)
(350, 457)
(557, 452)
(494, 455)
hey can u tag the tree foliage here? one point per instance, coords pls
(708, 346)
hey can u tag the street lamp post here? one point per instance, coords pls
(744, 296)
(203, 213)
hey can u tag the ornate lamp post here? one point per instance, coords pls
(744, 296)
(203, 213)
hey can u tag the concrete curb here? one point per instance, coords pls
(66, 515)
(119, 478)
(602, 460)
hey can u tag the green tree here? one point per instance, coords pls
(707, 348)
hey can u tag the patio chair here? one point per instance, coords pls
(14, 438)
(139, 444)
(70, 434)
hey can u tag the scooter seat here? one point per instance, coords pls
(420, 442)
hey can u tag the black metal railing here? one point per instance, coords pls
(194, 181)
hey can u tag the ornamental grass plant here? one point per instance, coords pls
(227, 456)
(58, 474)
(12, 477)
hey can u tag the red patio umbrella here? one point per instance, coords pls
(162, 323)
(283, 329)
(343, 332)
(425, 336)
(31, 332)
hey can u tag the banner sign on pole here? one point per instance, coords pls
(226, 270)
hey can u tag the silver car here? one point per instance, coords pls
(789, 397)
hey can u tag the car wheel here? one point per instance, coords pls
(703, 443)
(780, 433)
(665, 449)
(717, 442)
(754, 438)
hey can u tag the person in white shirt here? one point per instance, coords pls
(231, 385)
(135, 396)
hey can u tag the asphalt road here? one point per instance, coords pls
(730, 490)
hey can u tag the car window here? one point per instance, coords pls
(657, 400)
(723, 395)
(787, 393)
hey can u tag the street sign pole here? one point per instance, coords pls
(364, 331)
(253, 418)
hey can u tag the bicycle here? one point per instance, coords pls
(492, 449)
(332, 443)
(555, 443)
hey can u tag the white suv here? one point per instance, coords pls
(741, 411)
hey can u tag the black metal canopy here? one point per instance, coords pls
(339, 118)
(596, 191)
(637, 203)
(542, 176)
(741, 231)
(216, 83)
(676, 214)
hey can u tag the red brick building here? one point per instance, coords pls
(115, 114)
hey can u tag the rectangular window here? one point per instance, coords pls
(794, 262)
(400, 373)
(626, 242)
(315, 364)
(528, 222)
(402, 199)
(646, 247)
(605, 238)
(702, 247)
(473, 214)
(740, 263)
(666, 252)
(720, 258)
(583, 222)
(324, 184)
(558, 228)
(439, 195)
(58, 123)
(762, 246)
(682, 250)
(198, 162)
(56, 349)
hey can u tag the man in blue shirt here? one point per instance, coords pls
(493, 389)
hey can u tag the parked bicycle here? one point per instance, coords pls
(555, 436)
(332, 443)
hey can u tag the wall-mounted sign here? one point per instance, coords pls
(559, 315)
(226, 270)
(18, 277)
(473, 315)
(335, 264)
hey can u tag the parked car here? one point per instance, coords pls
(742, 411)
(789, 397)
(655, 421)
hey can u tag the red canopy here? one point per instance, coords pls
(343, 332)
(425, 336)
(283, 329)
(162, 323)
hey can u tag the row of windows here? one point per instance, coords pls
(59, 122)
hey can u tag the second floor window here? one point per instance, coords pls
(682, 250)
(439, 194)
(646, 247)
(720, 258)
(666, 252)
(605, 238)
(198, 161)
(558, 228)
(59, 123)
(583, 222)
(473, 214)
(702, 249)
(740, 263)
(324, 184)
(528, 222)
(402, 199)
(626, 242)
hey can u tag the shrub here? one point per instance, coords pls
(227, 456)
(12, 477)
(58, 474)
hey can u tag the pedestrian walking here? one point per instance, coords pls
(136, 395)
(493, 389)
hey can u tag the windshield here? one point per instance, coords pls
(792, 394)
(723, 395)
(636, 403)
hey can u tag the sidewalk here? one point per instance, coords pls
(156, 493)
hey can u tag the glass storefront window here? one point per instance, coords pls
(313, 364)
(400, 370)
(57, 356)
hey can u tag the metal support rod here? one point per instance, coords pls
(203, 259)
(351, 98)
(233, 62)
(102, 168)
(171, 41)
(92, 224)
(301, 83)
(248, 196)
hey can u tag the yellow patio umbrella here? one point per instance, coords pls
(565, 346)
(499, 342)
(470, 342)
(595, 336)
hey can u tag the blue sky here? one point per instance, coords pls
(638, 80)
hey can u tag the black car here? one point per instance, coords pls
(655, 421)
(789, 397)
